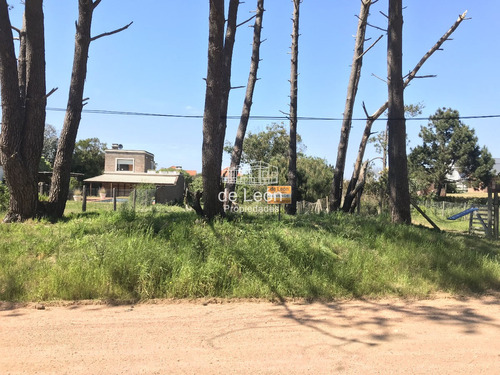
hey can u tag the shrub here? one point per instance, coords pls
(4, 197)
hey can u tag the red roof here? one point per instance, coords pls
(192, 173)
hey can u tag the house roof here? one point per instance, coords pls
(136, 178)
(191, 172)
(121, 151)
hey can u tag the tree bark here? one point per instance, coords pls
(59, 188)
(247, 104)
(23, 109)
(291, 209)
(352, 88)
(227, 64)
(211, 148)
(349, 196)
(399, 194)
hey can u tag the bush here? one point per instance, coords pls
(4, 197)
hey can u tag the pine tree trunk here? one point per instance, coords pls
(371, 119)
(23, 109)
(291, 209)
(211, 148)
(59, 188)
(352, 88)
(247, 104)
(398, 170)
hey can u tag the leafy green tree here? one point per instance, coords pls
(314, 175)
(266, 145)
(88, 157)
(50, 141)
(44, 165)
(449, 143)
(483, 173)
(314, 178)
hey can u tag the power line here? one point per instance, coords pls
(267, 118)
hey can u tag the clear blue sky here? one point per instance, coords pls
(159, 63)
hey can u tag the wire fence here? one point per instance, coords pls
(442, 210)
(321, 205)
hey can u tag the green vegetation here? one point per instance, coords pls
(314, 175)
(168, 252)
(4, 197)
(448, 143)
(88, 157)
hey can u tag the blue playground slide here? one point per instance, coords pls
(463, 213)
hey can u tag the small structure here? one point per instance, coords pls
(485, 220)
(456, 178)
(259, 173)
(125, 170)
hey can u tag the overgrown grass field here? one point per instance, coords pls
(168, 252)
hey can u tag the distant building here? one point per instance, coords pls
(124, 170)
(192, 173)
(456, 178)
(461, 183)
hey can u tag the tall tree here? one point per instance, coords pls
(267, 145)
(399, 194)
(314, 178)
(352, 89)
(23, 108)
(212, 147)
(291, 208)
(59, 187)
(50, 141)
(247, 104)
(88, 157)
(349, 196)
(448, 143)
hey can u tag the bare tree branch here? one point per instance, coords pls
(366, 112)
(427, 76)
(51, 92)
(111, 32)
(373, 45)
(95, 4)
(436, 47)
(376, 76)
(369, 24)
(244, 22)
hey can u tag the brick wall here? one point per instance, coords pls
(143, 160)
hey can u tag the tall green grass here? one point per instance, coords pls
(170, 253)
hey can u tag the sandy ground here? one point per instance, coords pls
(440, 336)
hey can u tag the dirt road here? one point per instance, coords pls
(440, 336)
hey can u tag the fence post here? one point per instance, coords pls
(84, 199)
(495, 213)
(134, 197)
(114, 199)
(490, 212)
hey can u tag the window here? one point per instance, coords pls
(126, 165)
